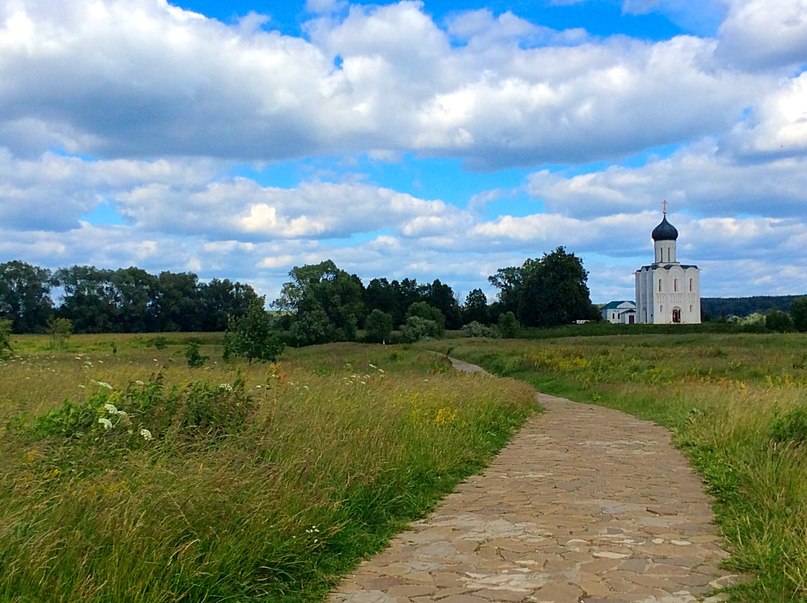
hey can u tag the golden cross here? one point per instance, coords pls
(664, 206)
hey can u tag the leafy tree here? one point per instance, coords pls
(312, 326)
(476, 308)
(221, 299)
(60, 330)
(508, 325)
(426, 311)
(776, 320)
(378, 326)
(90, 299)
(25, 296)
(798, 312)
(251, 336)
(441, 296)
(5, 338)
(178, 303)
(135, 298)
(417, 328)
(549, 291)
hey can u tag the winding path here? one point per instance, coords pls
(586, 504)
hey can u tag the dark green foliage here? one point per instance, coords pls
(5, 338)
(476, 308)
(776, 320)
(251, 336)
(378, 326)
(160, 342)
(791, 427)
(25, 296)
(508, 325)
(798, 312)
(60, 330)
(193, 356)
(717, 308)
(546, 292)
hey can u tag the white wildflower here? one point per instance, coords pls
(105, 422)
(146, 435)
(226, 387)
(101, 384)
(371, 365)
(111, 408)
(139, 382)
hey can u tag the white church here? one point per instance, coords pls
(667, 292)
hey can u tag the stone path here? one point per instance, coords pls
(585, 504)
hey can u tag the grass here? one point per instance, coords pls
(737, 404)
(261, 482)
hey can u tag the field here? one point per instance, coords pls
(737, 405)
(160, 482)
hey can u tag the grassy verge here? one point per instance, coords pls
(163, 483)
(738, 407)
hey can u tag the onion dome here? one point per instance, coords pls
(665, 231)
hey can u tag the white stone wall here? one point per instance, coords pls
(662, 291)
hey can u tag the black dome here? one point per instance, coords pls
(665, 231)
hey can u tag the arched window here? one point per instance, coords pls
(659, 285)
(690, 285)
(676, 315)
(675, 285)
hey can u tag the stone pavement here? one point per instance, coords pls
(585, 504)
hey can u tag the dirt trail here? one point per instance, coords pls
(585, 504)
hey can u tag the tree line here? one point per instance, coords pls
(320, 303)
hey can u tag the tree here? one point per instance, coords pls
(441, 296)
(798, 312)
(508, 325)
(221, 299)
(135, 299)
(178, 302)
(5, 338)
(60, 330)
(776, 320)
(251, 335)
(549, 291)
(25, 296)
(90, 300)
(417, 328)
(475, 308)
(378, 326)
(427, 312)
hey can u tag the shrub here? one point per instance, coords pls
(194, 357)
(477, 329)
(791, 427)
(798, 312)
(776, 320)
(508, 325)
(417, 329)
(5, 337)
(251, 336)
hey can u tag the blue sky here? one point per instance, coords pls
(406, 139)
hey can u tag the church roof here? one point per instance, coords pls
(665, 231)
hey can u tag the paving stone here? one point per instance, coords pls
(584, 504)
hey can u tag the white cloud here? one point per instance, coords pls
(760, 34)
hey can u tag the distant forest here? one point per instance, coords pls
(715, 308)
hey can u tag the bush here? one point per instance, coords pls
(194, 357)
(426, 311)
(798, 312)
(417, 329)
(508, 325)
(251, 336)
(791, 427)
(776, 320)
(5, 337)
(477, 329)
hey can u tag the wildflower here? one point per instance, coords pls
(146, 435)
(101, 384)
(371, 365)
(139, 382)
(105, 422)
(111, 408)
(226, 387)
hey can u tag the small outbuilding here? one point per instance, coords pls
(619, 312)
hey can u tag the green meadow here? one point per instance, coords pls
(129, 476)
(737, 406)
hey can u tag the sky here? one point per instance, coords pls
(415, 139)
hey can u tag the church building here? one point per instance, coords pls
(667, 292)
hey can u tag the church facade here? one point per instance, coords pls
(667, 292)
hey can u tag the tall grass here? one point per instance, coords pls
(262, 482)
(737, 405)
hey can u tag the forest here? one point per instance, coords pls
(319, 303)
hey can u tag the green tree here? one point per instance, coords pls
(441, 296)
(251, 336)
(90, 299)
(178, 303)
(60, 330)
(135, 298)
(417, 328)
(508, 325)
(776, 320)
(5, 338)
(476, 308)
(798, 312)
(426, 311)
(25, 296)
(378, 326)
(221, 299)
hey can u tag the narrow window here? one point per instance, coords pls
(690, 285)
(659, 285)
(675, 285)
